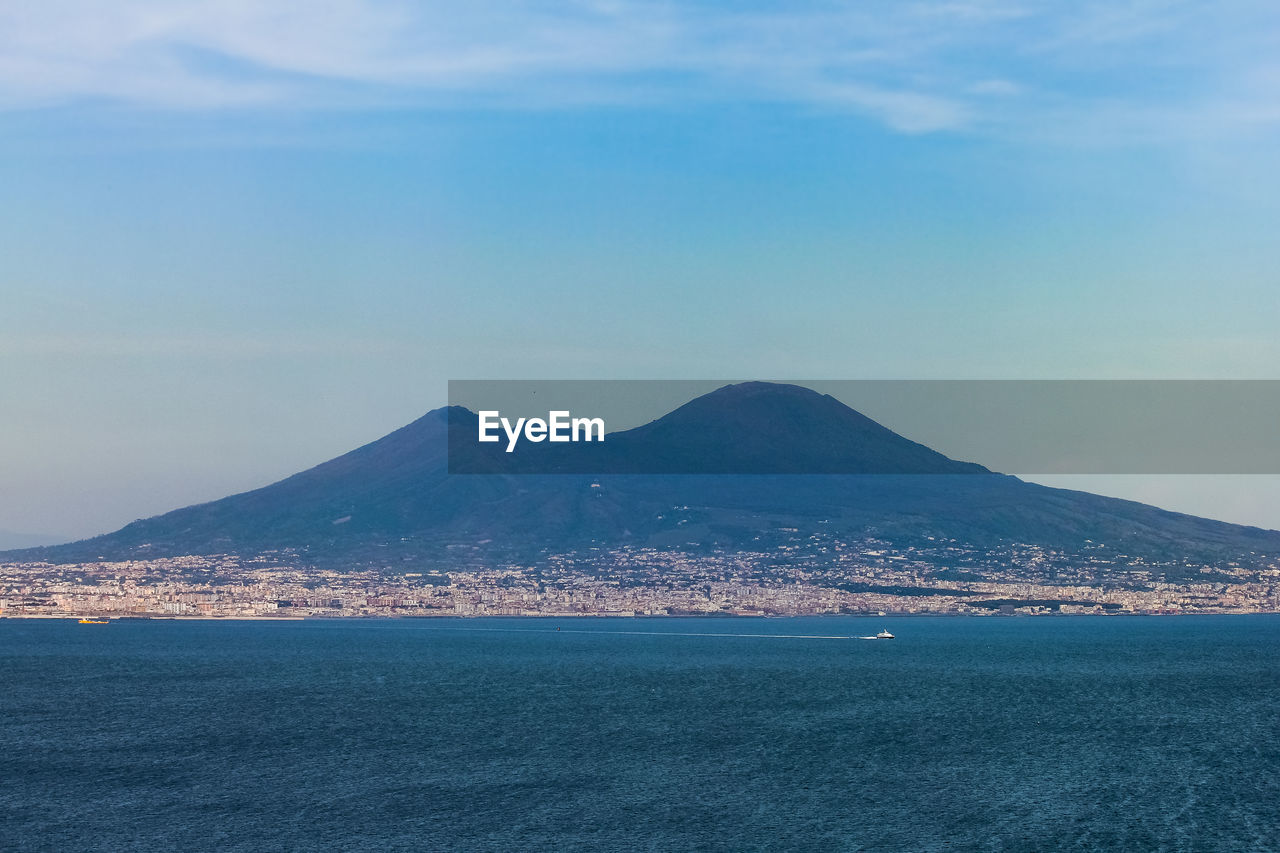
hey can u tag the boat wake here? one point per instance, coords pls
(881, 636)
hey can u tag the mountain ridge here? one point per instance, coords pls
(393, 502)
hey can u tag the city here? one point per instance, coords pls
(808, 576)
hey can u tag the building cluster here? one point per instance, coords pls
(789, 578)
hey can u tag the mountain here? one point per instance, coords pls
(394, 503)
(769, 428)
(748, 428)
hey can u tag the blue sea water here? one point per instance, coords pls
(1001, 734)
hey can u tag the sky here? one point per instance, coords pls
(239, 238)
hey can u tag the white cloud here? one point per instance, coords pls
(975, 65)
(994, 87)
(197, 345)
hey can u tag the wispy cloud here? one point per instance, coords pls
(198, 345)
(973, 65)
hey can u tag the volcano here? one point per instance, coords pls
(713, 475)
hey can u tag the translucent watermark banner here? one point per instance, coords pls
(864, 426)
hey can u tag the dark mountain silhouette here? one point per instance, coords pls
(394, 501)
(767, 428)
(748, 428)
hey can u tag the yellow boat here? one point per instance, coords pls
(93, 621)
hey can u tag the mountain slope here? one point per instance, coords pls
(393, 501)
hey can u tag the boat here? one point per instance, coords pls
(884, 635)
(93, 621)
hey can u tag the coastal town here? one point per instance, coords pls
(810, 577)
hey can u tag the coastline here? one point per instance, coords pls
(383, 617)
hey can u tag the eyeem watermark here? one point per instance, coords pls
(558, 426)
(1069, 426)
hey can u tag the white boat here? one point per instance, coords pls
(884, 635)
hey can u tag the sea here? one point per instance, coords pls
(1125, 733)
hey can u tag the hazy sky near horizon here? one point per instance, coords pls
(238, 238)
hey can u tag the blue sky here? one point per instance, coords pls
(239, 238)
